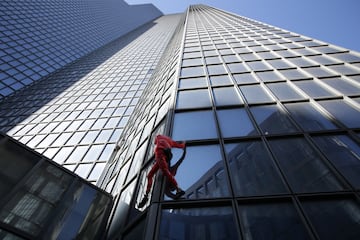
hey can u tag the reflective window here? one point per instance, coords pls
(343, 112)
(344, 69)
(303, 166)
(212, 60)
(314, 89)
(192, 71)
(191, 62)
(342, 85)
(216, 69)
(93, 153)
(300, 62)
(192, 55)
(323, 59)
(318, 72)
(252, 169)
(226, 96)
(279, 64)
(235, 123)
(293, 74)
(249, 56)
(272, 221)
(344, 153)
(194, 125)
(193, 99)
(269, 76)
(220, 80)
(272, 119)
(201, 174)
(346, 57)
(255, 94)
(213, 223)
(258, 65)
(334, 219)
(309, 117)
(231, 58)
(284, 92)
(245, 78)
(83, 169)
(77, 154)
(237, 67)
(192, 83)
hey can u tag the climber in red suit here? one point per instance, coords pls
(162, 157)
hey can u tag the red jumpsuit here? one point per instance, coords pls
(163, 143)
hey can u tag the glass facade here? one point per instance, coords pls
(76, 115)
(41, 200)
(271, 121)
(39, 37)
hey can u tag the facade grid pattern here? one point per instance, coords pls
(76, 115)
(270, 118)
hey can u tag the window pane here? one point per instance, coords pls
(201, 174)
(252, 169)
(343, 112)
(342, 85)
(272, 119)
(220, 80)
(192, 83)
(245, 78)
(272, 221)
(318, 72)
(334, 219)
(314, 89)
(255, 94)
(344, 153)
(293, 74)
(284, 92)
(194, 125)
(192, 71)
(235, 123)
(269, 76)
(212, 60)
(193, 99)
(308, 117)
(226, 96)
(191, 62)
(258, 66)
(216, 69)
(303, 167)
(279, 64)
(214, 223)
(237, 67)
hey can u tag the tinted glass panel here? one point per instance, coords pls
(255, 94)
(308, 117)
(235, 123)
(193, 99)
(245, 78)
(303, 167)
(214, 223)
(269, 76)
(220, 80)
(252, 169)
(344, 153)
(343, 112)
(284, 91)
(226, 96)
(334, 219)
(314, 89)
(194, 125)
(272, 119)
(201, 174)
(192, 83)
(192, 71)
(342, 85)
(216, 69)
(272, 221)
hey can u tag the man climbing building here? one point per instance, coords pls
(163, 145)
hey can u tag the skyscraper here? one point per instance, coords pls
(271, 121)
(270, 117)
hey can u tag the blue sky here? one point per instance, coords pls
(333, 21)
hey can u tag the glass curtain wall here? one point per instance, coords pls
(271, 121)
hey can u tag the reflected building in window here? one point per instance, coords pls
(270, 118)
